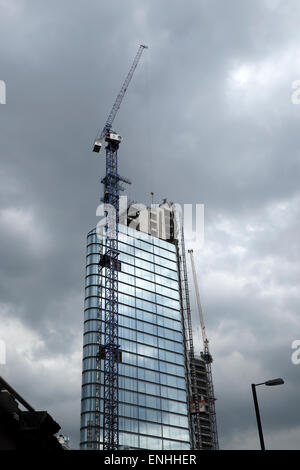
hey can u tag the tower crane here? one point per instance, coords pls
(108, 125)
(109, 349)
(207, 358)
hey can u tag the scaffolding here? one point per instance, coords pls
(191, 379)
(202, 436)
(207, 360)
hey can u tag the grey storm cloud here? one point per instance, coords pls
(207, 119)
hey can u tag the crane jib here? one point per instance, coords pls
(118, 101)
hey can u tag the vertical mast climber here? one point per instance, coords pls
(109, 347)
(207, 357)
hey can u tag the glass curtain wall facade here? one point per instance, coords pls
(152, 386)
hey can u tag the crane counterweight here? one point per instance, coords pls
(97, 145)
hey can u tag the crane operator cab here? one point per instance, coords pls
(110, 137)
(113, 137)
(113, 140)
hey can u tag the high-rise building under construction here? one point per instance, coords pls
(155, 388)
(153, 403)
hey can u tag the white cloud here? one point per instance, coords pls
(265, 83)
(20, 341)
(249, 285)
(25, 228)
(39, 377)
(10, 7)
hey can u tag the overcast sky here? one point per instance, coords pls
(208, 119)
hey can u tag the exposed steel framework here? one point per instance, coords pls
(207, 358)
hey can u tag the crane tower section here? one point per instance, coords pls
(108, 338)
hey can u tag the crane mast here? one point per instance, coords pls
(206, 356)
(108, 268)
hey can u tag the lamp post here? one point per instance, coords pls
(269, 383)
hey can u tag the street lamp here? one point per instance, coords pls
(269, 383)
